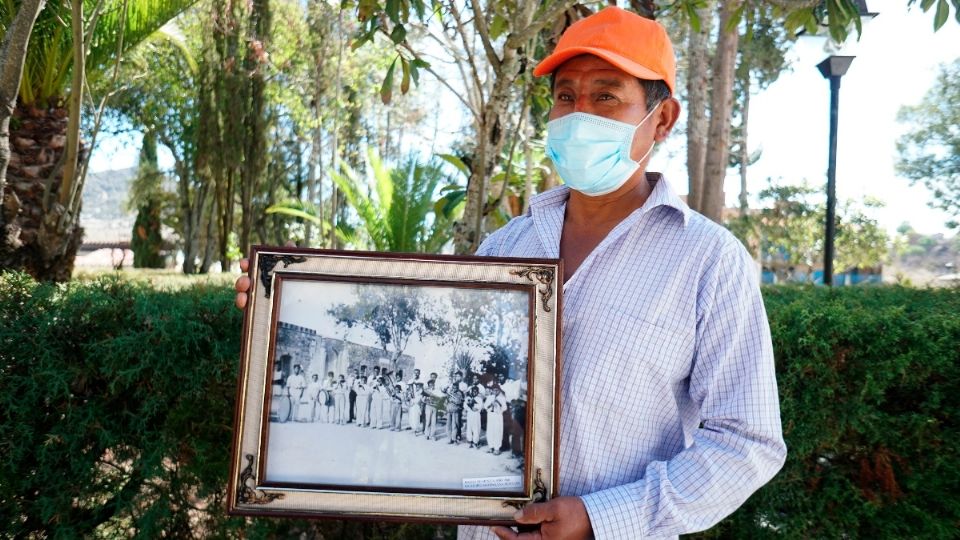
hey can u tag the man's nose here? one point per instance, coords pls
(583, 104)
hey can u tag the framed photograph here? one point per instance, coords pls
(397, 386)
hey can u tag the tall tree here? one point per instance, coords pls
(763, 49)
(489, 43)
(47, 164)
(786, 233)
(929, 152)
(13, 53)
(145, 241)
(393, 313)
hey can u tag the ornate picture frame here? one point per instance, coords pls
(399, 387)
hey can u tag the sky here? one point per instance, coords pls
(896, 63)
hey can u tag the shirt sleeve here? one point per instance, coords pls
(739, 445)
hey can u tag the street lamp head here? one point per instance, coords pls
(835, 66)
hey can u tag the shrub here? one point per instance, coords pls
(869, 384)
(117, 403)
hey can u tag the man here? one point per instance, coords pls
(352, 394)
(296, 384)
(431, 399)
(329, 402)
(454, 408)
(657, 300)
(317, 397)
(514, 418)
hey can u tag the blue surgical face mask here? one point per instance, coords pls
(592, 153)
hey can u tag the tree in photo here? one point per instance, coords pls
(929, 153)
(394, 314)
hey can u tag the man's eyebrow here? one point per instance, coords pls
(610, 83)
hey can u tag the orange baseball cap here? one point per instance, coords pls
(635, 44)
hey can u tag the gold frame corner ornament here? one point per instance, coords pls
(539, 493)
(247, 493)
(545, 275)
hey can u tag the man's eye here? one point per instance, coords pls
(604, 97)
(564, 97)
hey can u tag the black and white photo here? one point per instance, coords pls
(416, 362)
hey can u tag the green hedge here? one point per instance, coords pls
(116, 405)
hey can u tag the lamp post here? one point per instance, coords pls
(832, 69)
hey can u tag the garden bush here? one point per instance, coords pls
(117, 404)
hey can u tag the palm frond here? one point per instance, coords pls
(49, 57)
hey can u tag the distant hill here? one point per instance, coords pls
(104, 217)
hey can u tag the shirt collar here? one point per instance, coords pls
(661, 195)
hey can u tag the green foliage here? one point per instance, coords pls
(869, 384)
(930, 150)
(789, 230)
(145, 240)
(394, 205)
(118, 414)
(118, 404)
(117, 25)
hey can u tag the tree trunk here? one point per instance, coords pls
(528, 164)
(314, 179)
(721, 109)
(698, 61)
(255, 125)
(35, 241)
(13, 53)
(744, 151)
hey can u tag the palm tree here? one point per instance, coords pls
(395, 206)
(42, 205)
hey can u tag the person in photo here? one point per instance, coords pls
(495, 404)
(415, 401)
(474, 404)
(340, 392)
(363, 402)
(352, 394)
(329, 403)
(296, 385)
(376, 402)
(431, 398)
(396, 407)
(315, 394)
(454, 408)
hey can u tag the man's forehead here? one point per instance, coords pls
(594, 67)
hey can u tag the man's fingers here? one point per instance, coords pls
(503, 533)
(242, 284)
(241, 300)
(535, 513)
(244, 264)
(290, 243)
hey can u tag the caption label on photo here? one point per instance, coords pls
(494, 482)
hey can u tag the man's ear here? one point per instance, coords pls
(666, 118)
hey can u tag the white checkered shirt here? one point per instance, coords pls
(669, 411)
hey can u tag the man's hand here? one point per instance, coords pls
(242, 284)
(563, 518)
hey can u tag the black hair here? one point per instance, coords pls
(655, 91)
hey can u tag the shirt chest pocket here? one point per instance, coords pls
(621, 360)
